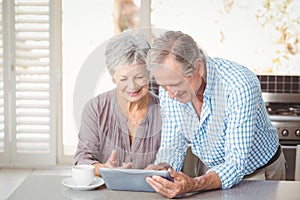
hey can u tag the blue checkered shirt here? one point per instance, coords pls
(234, 135)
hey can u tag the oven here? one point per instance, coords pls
(284, 112)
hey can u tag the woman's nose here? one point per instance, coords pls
(131, 84)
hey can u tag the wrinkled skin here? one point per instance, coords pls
(182, 184)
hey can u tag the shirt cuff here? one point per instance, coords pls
(228, 175)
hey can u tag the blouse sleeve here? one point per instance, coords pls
(88, 137)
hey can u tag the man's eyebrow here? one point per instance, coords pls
(170, 84)
(176, 84)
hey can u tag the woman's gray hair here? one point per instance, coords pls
(127, 48)
(181, 46)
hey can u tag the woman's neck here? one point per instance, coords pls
(134, 113)
(131, 107)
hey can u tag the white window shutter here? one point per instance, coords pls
(33, 105)
(2, 132)
(4, 128)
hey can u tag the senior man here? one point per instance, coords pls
(215, 105)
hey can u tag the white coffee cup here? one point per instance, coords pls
(83, 175)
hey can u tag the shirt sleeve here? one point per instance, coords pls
(88, 138)
(241, 114)
(173, 143)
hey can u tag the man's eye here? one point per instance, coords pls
(139, 77)
(124, 79)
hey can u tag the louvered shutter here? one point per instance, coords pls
(2, 110)
(32, 97)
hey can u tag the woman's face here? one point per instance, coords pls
(132, 82)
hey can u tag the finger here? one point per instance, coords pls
(164, 182)
(112, 160)
(177, 176)
(173, 174)
(127, 165)
(160, 187)
(151, 167)
(113, 155)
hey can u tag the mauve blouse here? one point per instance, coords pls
(103, 128)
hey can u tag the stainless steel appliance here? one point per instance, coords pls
(284, 112)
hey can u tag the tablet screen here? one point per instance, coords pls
(130, 179)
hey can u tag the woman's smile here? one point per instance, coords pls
(134, 93)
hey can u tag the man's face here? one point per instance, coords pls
(170, 77)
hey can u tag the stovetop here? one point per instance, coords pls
(284, 112)
(283, 109)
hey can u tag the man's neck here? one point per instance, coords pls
(197, 101)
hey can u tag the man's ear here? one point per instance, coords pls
(201, 68)
(199, 65)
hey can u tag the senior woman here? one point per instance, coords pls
(122, 127)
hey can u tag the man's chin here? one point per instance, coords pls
(182, 100)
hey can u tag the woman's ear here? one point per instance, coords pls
(114, 77)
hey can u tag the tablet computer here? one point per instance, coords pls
(130, 179)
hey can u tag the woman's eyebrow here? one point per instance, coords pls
(123, 76)
(139, 74)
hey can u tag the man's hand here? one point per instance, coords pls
(160, 166)
(183, 184)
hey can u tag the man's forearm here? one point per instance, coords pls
(207, 181)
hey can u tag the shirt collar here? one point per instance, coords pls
(210, 70)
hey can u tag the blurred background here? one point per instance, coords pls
(44, 43)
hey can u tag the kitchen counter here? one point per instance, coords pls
(50, 187)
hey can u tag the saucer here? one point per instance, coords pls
(68, 182)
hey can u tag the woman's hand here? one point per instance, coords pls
(112, 162)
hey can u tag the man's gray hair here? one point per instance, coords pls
(183, 48)
(127, 48)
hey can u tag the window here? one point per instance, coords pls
(83, 35)
(262, 35)
(217, 26)
(28, 83)
(37, 86)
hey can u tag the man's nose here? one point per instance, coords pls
(171, 93)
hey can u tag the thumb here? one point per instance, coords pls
(172, 172)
